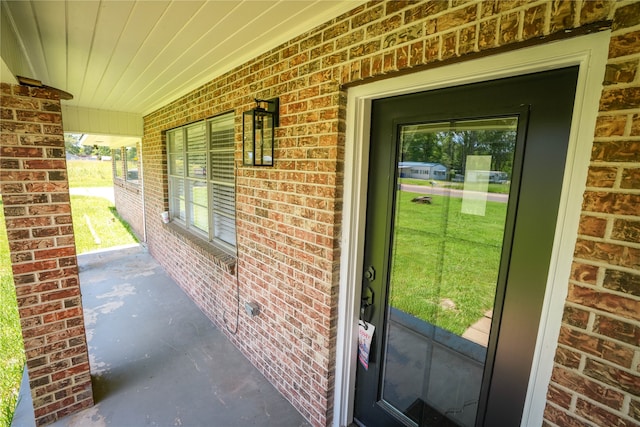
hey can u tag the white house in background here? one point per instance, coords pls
(421, 170)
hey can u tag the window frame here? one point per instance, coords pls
(118, 163)
(179, 177)
(128, 162)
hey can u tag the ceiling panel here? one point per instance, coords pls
(28, 32)
(51, 21)
(80, 24)
(112, 19)
(141, 22)
(174, 18)
(189, 44)
(136, 55)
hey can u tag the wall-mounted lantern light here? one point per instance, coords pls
(258, 132)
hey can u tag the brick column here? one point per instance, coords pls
(35, 193)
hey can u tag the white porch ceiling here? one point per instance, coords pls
(135, 56)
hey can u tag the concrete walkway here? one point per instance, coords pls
(156, 360)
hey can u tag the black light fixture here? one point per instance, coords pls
(258, 132)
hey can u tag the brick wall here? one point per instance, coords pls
(35, 194)
(128, 201)
(596, 380)
(128, 194)
(288, 216)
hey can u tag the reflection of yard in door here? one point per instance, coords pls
(469, 261)
(445, 263)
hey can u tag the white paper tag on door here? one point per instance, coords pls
(365, 334)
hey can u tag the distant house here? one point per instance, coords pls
(421, 170)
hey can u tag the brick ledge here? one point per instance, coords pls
(222, 258)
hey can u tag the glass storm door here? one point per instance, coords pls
(464, 188)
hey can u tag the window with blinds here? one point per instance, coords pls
(201, 179)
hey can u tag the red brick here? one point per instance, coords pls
(602, 177)
(21, 152)
(610, 125)
(584, 386)
(36, 288)
(561, 418)
(599, 415)
(39, 117)
(18, 175)
(39, 309)
(9, 163)
(624, 44)
(576, 317)
(620, 98)
(44, 164)
(594, 11)
(71, 371)
(621, 281)
(425, 9)
(617, 329)
(27, 245)
(616, 353)
(18, 127)
(634, 409)
(10, 211)
(367, 16)
(592, 226)
(612, 203)
(623, 380)
(623, 72)
(626, 16)
(45, 232)
(34, 266)
(509, 28)
(47, 187)
(19, 103)
(630, 179)
(42, 141)
(611, 303)
(49, 209)
(562, 15)
(635, 125)
(28, 222)
(62, 294)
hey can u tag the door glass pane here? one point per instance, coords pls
(450, 213)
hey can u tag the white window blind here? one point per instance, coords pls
(202, 180)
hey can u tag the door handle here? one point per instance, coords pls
(366, 303)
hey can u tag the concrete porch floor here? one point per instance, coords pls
(156, 359)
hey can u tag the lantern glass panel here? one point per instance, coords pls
(247, 137)
(264, 139)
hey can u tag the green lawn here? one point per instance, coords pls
(90, 173)
(99, 215)
(110, 231)
(441, 253)
(11, 348)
